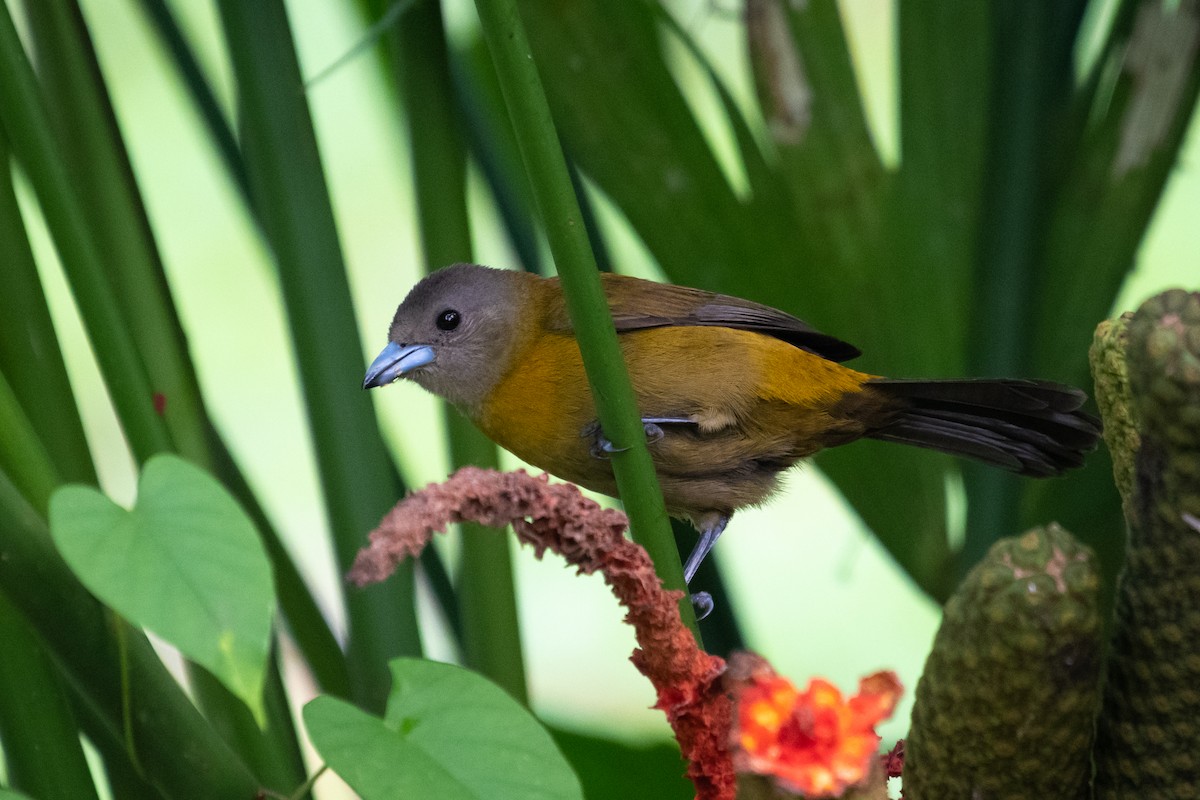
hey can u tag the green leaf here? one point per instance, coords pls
(185, 562)
(9, 794)
(647, 150)
(447, 733)
(647, 770)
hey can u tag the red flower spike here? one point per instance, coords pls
(811, 742)
(556, 517)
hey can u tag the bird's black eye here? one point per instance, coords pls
(448, 320)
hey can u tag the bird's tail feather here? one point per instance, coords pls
(1029, 427)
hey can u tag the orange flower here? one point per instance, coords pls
(812, 743)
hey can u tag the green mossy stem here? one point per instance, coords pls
(1107, 357)
(1148, 727)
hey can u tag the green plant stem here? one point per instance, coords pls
(40, 384)
(41, 742)
(491, 634)
(22, 455)
(177, 749)
(101, 176)
(615, 402)
(32, 139)
(305, 789)
(125, 781)
(293, 205)
(158, 12)
(493, 145)
(273, 752)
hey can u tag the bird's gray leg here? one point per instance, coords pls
(710, 530)
(602, 447)
(709, 533)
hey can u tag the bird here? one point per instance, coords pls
(732, 393)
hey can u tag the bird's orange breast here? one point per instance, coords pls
(540, 407)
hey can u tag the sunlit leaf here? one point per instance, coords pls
(447, 733)
(184, 562)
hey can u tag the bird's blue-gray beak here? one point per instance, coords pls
(395, 361)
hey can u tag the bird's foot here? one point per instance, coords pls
(702, 604)
(602, 446)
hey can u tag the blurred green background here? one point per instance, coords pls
(813, 589)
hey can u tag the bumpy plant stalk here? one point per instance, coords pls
(1008, 695)
(1150, 722)
(1111, 376)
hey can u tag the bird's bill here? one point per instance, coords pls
(394, 361)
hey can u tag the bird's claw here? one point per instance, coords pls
(702, 604)
(602, 446)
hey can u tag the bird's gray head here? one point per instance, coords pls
(455, 332)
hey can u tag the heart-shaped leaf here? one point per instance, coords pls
(185, 563)
(447, 733)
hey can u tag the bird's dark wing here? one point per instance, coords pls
(637, 304)
(732, 312)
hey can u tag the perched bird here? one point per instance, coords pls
(732, 392)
